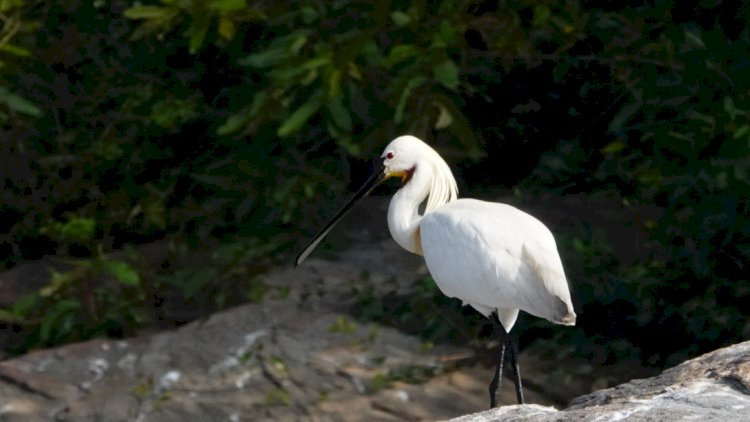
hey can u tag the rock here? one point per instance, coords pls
(712, 387)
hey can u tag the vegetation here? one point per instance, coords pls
(226, 123)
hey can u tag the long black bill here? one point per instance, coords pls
(377, 178)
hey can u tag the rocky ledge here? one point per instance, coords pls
(713, 387)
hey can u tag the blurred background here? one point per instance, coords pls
(159, 155)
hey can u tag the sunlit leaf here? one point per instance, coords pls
(234, 123)
(147, 12)
(227, 28)
(76, 229)
(614, 147)
(121, 271)
(444, 117)
(14, 50)
(400, 18)
(228, 5)
(198, 31)
(300, 39)
(58, 280)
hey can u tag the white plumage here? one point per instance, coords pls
(494, 257)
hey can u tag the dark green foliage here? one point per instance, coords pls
(228, 122)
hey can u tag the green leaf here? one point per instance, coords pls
(6, 5)
(446, 73)
(413, 83)
(614, 147)
(121, 271)
(470, 146)
(280, 49)
(8, 316)
(334, 83)
(197, 281)
(309, 14)
(227, 28)
(300, 40)
(623, 116)
(256, 290)
(198, 31)
(147, 12)
(300, 116)
(444, 117)
(445, 36)
(694, 38)
(228, 5)
(400, 53)
(340, 114)
(58, 281)
(14, 50)
(233, 124)
(245, 116)
(265, 58)
(76, 229)
(220, 182)
(741, 132)
(731, 109)
(400, 18)
(18, 103)
(51, 324)
(26, 304)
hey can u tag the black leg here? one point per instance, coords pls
(506, 341)
(497, 379)
(516, 368)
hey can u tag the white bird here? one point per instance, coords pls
(493, 257)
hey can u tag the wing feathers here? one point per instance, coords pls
(495, 256)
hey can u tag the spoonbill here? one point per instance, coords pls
(492, 256)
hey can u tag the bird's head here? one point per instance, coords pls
(400, 157)
(403, 157)
(406, 154)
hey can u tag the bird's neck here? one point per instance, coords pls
(403, 212)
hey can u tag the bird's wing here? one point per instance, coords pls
(495, 256)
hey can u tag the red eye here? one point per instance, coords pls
(389, 156)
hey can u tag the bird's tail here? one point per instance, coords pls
(565, 314)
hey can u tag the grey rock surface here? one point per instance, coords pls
(712, 387)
